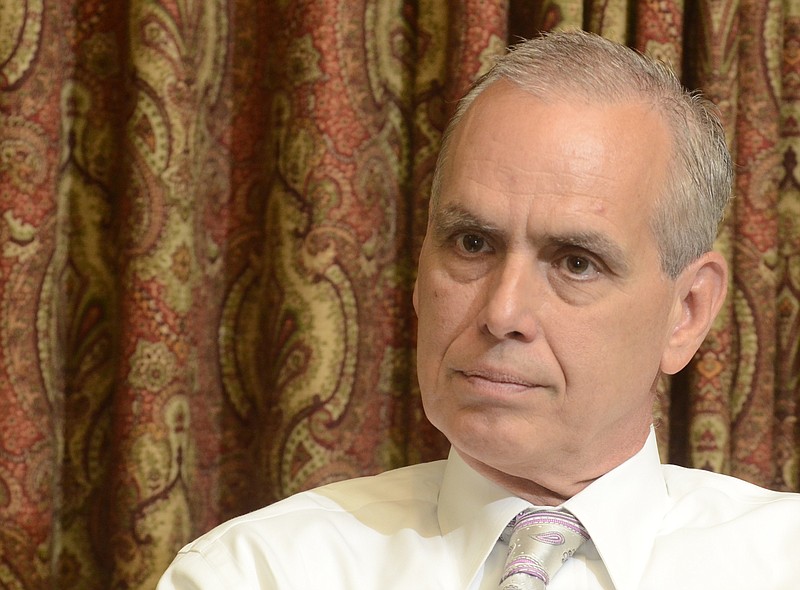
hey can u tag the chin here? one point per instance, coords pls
(483, 443)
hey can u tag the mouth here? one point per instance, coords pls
(497, 378)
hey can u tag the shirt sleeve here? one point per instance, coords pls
(193, 570)
(190, 571)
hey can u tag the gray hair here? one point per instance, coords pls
(583, 65)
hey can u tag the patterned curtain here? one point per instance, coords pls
(209, 220)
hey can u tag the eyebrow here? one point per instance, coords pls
(454, 218)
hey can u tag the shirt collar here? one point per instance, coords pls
(472, 512)
(622, 511)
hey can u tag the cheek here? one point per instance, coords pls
(647, 323)
(618, 347)
(445, 312)
(444, 305)
(432, 321)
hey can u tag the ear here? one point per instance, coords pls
(415, 297)
(700, 292)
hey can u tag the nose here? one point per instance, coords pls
(512, 297)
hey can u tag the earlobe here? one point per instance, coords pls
(702, 287)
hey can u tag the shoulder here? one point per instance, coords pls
(710, 498)
(332, 526)
(404, 489)
(727, 530)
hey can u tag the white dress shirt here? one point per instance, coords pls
(437, 525)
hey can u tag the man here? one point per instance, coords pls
(568, 263)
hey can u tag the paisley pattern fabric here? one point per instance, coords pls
(539, 543)
(209, 219)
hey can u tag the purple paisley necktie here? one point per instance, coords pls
(540, 541)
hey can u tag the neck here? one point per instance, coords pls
(528, 489)
(548, 486)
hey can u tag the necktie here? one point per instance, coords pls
(540, 541)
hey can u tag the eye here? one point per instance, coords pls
(471, 243)
(579, 267)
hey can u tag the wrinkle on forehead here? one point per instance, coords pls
(585, 137)
(591, 150)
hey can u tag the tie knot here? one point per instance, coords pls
(540, 541)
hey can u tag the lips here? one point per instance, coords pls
(497, 377)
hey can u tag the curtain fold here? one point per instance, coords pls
(210, 214)
(786, 455)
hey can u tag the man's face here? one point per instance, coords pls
(543, 310)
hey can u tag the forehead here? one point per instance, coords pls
(574, 132)
(567, 162)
